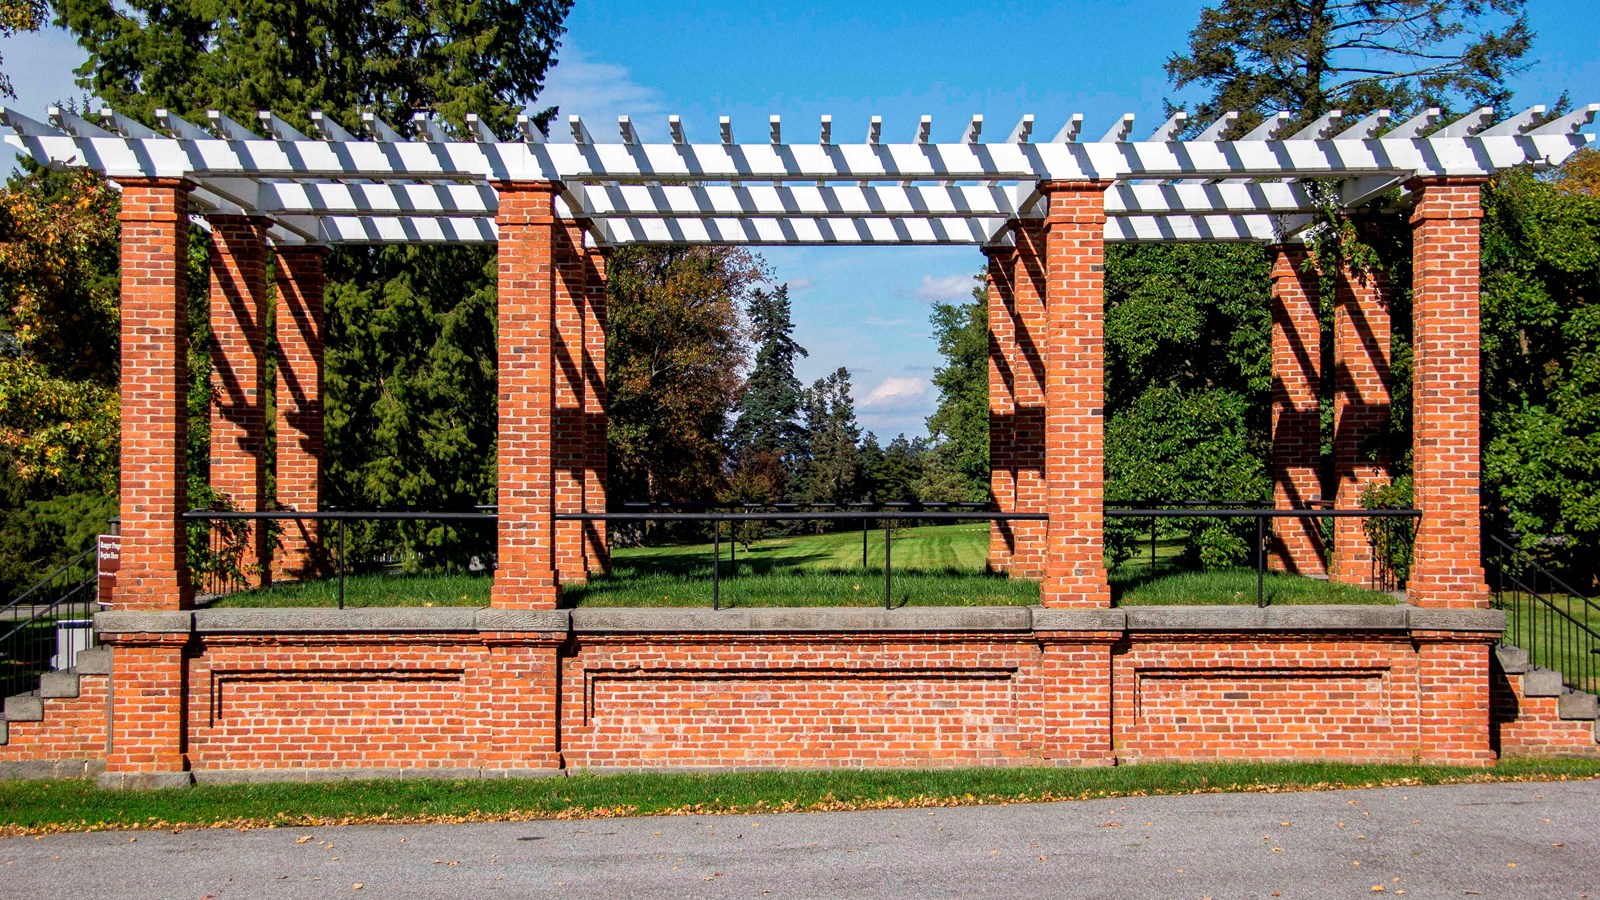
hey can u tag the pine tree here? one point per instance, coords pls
(831, 475)
(1310, 56)
(769, 409)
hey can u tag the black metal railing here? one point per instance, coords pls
(887, 514)
(723, 519)
(1558, 625)
(233, 576)
(43, 628)
(1260, 550)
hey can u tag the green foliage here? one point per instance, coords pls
(769, 408)
(1174, 445)
(410, 374)
(676, 343)
(18, 16)
(1541, 352)
(832, 473)
(959, 427)
(1261, 56)
(453, 57)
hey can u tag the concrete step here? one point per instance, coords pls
(1577, 705)
(58, 685)
(1542, 683)
(5, 732)
(25, 708)
(93, 662)
(1513, 660)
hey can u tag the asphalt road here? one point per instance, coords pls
(1501, 840)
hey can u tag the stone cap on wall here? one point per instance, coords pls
(910, 619)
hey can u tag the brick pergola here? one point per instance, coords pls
(272, 198)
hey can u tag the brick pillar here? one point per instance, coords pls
(570, 447)
(1018, 325)
(147, 710)
(1296, 415)
(1002, 403)
(1360, 412)
(299, 324)
(526, 574)
(238, 376)
(154, 489)
(1075, 573)
(1077, 674)
(596, 543)
(1453, 701)
(1446, 567)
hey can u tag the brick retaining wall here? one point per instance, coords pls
(272, 694)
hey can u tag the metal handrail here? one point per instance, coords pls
(49, 579)
(1580, 669)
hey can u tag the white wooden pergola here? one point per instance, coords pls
(331, 187)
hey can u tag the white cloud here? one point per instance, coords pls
(799, 284)
(599, 92)
(945, 288)
(895, 393)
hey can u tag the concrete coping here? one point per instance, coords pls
(801, 620)
(909, 619)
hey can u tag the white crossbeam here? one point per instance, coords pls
(228, 129)
(327, 128)
(1170, 129)
(529, 129)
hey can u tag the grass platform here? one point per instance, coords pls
(939, 565)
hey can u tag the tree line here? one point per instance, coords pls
(704, 402)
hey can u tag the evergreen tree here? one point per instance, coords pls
(769, 409)
(1310, 56)
(831, 474)
(895, 471)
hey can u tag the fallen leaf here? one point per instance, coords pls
(1277, 849)
(1378, 889)
(1558, 844)
(1511, 865)
(305, 839)
(1110, 824)
(357, 886)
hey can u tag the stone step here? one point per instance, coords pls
(1542, 683)
(25, 708)
(1577, 705)
(58, 685)
(5, 731)
(1513, 660)
(93, 662)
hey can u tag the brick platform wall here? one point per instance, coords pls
(1526, 726)
(248, 701)
(73, 728)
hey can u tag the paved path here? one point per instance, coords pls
(1503, 840)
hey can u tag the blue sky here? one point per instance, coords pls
(867, 309)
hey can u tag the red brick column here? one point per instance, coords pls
(1296, 415)
(596, 542)
(299, 324)
(147, 710)
(1360, 412)
(526, 574)
(1018, 325)
(1453, 680)
(1075, 573)
(1002, 402)
(1077, 673)
(570, 448)
(154, 489)
(1447, 565)
(238, 377)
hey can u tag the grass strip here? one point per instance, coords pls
(37, 807)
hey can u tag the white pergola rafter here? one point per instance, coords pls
(438, 187)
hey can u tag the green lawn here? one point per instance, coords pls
(33, 807)
(932, 566)
(1551, 641)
